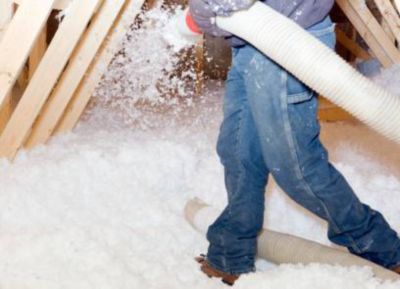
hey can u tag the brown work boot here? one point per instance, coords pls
(205, 267)
(397, 270)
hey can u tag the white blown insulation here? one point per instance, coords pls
(102, 207)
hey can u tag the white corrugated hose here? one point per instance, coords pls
(317, 66)
(283, 248)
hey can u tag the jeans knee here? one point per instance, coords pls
(228, 153)
(247, 221)
(244, 158)
(224, 150)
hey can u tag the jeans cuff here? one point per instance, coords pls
(232, 271)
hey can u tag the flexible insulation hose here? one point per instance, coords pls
(283, 248)
(317, 66)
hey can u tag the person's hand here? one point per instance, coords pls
(204, 17)
(227, 7)
(204, 13)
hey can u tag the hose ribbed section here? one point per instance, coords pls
(317, 66)
(283, 248)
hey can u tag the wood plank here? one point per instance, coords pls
(79, 63)
(351, 45)
(23, 78)
(388, 31)
(6, 12)
(38, 52)
(397, 5)
(5, 112)
(390, 16)
(18, 40)
(334, 114)
(107, 52)
(362, 28)
(48, 72)
(199, 54)
(58, 4)
(330, 112)
(373, 25)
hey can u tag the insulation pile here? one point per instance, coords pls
(102, 207)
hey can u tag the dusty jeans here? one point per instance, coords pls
(270, 126)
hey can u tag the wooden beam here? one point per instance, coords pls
(376, 30)
(5, 112)
(351, 45)
(390, 16)
(6, 12)
(78, 64)
(330, 112)
(107, 52)
(369, 29)
(388, 31)
(58, 4)
(397, 5)
(199, 53)
(47, 73)
(37, 52)
(18, 40)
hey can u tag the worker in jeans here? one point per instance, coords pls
(270, 126)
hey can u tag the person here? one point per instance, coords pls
(270, 126)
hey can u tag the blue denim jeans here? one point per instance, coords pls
(270, 126)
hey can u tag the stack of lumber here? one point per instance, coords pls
(45, 84)
(381, 33)
(55, 80)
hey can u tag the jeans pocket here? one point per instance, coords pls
(300, 97)
(297, 91)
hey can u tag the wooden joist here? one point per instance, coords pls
(199, 52)
(47, 73)
(351, 45)
(390, 17)
(330, 112)
(78, 65)
(37, 52)
(58, 4)
(371, 31)
(6, 12)
(96, 71)
(388, 30)
(397, 5)
(18, 40)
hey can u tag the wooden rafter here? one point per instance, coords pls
(37, 52)
(351, 45)
(371, 31)
(47, 73)
(107, 52)
(390, 16)
(397, 5)
(58, 4)
(18, 40)
(6, 12)
(78, 65)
